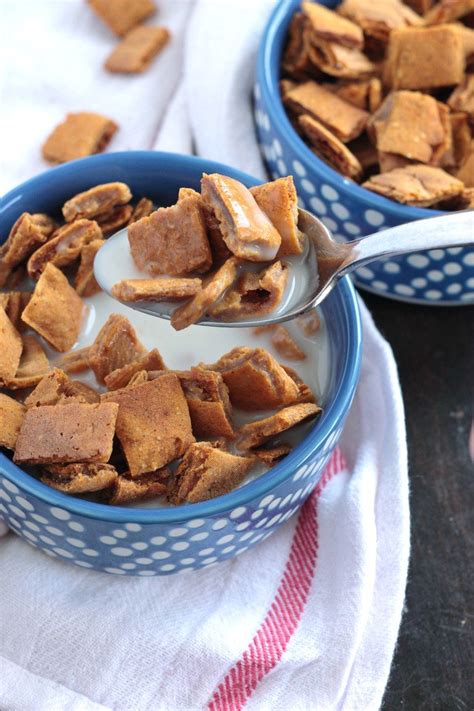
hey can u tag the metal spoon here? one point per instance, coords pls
(325, 261)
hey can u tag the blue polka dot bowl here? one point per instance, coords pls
(440, 276)
(163, 541)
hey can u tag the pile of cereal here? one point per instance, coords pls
(143, 430)
(385, 95)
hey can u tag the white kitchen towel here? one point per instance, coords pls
(306, 620)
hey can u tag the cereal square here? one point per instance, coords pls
(172, 289)
(120, 377)
(81, 478)
(32, 367)
(121, 15)
(147, 486)
(79, 135)
(256, 433)
(278, 200)
(208, 400)
(115, 345)
(418, 185)
(137, 50)
(96, 201)
(84, 281)
(65, 247)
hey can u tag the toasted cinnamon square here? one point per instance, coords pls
(305, 394)
(55, 387)
(309, 323)
(76, 361)
(462, 98)
(246, 229)
(65, 247)
(295, 60)
(172, 240)
(137, 50)
(120, 377)
(63, 434)
(329, 148)
(448, 10)
(418, 185)
(79, 478)
(285, 345)
(413, 125)
(115, 345)
(466, 172)
(32, 367)
(278, 200)
(213, 288)
(148, 486)
(208, 400)
(80, 134)
(206, 472)
(271, 455)
(339, 61)
(11, 348)
(326, 24)
(378, 19)
(153, 423)
(99, 200)
(122, 15)
(14, 303)
(84, 281)
(118, 217)
(55, 310)
(424, 58)
(255, 380)
(143, 208)
(11, 418)
(339, 116)
(173, 289)
(255, 294)
(220, 251)
(256, 433)
(28, 232)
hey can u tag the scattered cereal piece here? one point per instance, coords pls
(137, 50)
(339, 61)
(213, 288)
(79, 478)
(115, 345)
(122, 15)
(14, 303)
(99, 200)
(172, 240)
(309, 322)
(272, 454)
(147, 486)
(120, 377)
(257, 433)
(65, 247)
(56, 387)
(285, 345)
(75, 362)
(379, 19)
(246, 229)
(143, 208)
(424, 58)
(278, 200)
(305, 394)
(462, 98)
(329, 148)
(327, 25)
(55, 310)
(11, 418)
(28, 232)
(255, 380)
(418, 185)
(118, 217)
(156, 289)
(153, 423)
(208, 400)
(448, 10)
(206, 472)
(84, 281)
(63, 434)
(12, 346)
(255, 294)
(32, 367)
(80, 134)
(339, 116)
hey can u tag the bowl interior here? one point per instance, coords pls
(159, 176)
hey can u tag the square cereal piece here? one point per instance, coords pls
(305, 394)
(256, 433)
(206, 472)
(137, 50)
(32, 367)
(63, 434)
(14, 302)
(325, 24)
(378, 19)
(256, 381)
(99, 200)
(11, 418)
(55, 387)
(80, 134)
(80, 478)
(121, 377)
(172, 240)
(246, 229)
(271, 455)
(153, 423)
(219, 250)
(12, 346)
(325, 145)
(28, 232)
(121, 15)
(340, 117)
(84, 281)
(76, 361)
(148, 486)
(55, 310)
(115, 345)
(424, 58)
(173, 289)
(65, 247)
(213, 288)
(295, 60)
(418, 185)
(285, 345)
(255, 294)
(278, 200)
(208, 401)
(118, 217)
(339, 61)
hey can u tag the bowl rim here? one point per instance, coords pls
(277, 23)
(253, 489)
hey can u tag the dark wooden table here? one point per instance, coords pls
(433, 666)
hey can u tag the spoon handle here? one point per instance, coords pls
(455, 230)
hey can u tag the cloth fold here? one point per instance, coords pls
(308, 619)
